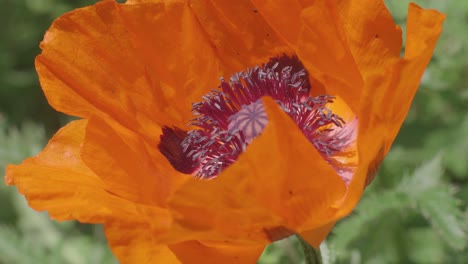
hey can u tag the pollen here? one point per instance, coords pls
(229, 118)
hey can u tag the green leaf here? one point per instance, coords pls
(436, 201)
(370, 209)
(379, 229)
(430, 251)
(440, 207)
(423, 178)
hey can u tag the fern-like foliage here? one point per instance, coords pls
(16, 144)
(421, 211)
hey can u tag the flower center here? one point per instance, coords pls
(230, 118)
(250, 120)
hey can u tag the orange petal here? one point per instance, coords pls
(128, 166)
(133, 2)
(316, 236)
(143, 64)
(284, 16)
(384, 108)
(133, 242)
(57, 180)
(423, 30)
(372, 35)
(280, 181)
(325, 52)
(394, 88)
(197, 252)
(238, 34)
(137, 245)
(375, 42)
(397, 85)
(121, 61)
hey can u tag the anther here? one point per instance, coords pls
(230, 118)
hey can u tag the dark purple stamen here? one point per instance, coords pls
(228, 119)
(171, 147)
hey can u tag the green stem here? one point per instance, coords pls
(312, 255)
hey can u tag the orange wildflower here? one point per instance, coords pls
(131, 72)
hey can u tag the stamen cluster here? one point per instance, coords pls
(225, 117)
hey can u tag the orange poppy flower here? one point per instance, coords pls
(266, 157)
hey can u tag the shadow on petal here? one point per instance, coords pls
(281, 180)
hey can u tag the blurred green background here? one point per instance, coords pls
(414, 212)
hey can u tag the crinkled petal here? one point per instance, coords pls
(56, 180)
(134, 2)
(133, 242)
(117, 65)
(93, 63)
(127, 165)
(284, 16)
(194, 252)
(316, 236)
(238, 34)
(137, 244)
(423, 30)
(119, 61)
(383, 110)
(280, 182)
(325, 52)
(340, 41)
(373, 37)
(143, 64)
